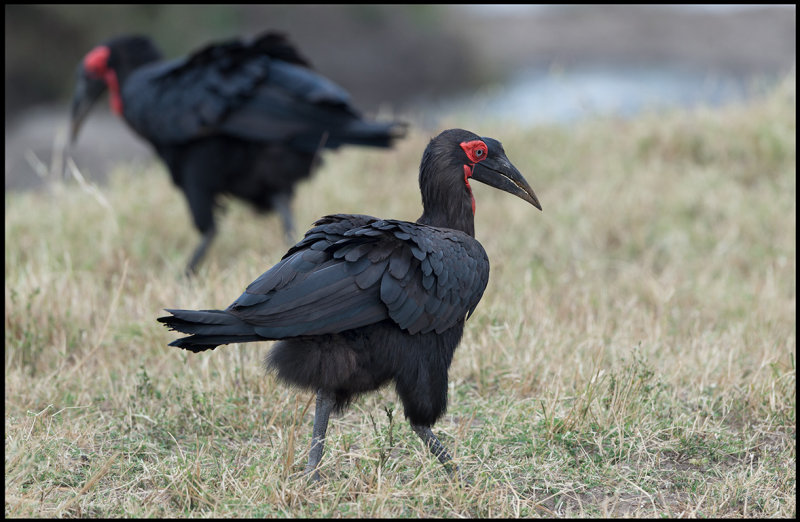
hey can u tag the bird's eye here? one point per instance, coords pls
(476, 150)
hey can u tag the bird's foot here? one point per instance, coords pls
(312, 474)
(457, 475)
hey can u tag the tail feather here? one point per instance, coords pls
(358, 132)
(209, 329)
(369, 133)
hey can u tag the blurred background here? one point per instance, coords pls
(529, 64)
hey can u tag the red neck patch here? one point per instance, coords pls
(113, 88)
(467, 175)
(96, 65)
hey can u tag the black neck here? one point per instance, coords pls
(447, 202)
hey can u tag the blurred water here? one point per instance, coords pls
(516, 9)
(586, 88)
(535, 97)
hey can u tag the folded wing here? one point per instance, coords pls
(351, 271)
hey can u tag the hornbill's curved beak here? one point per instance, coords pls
(498, 172)
(87, 91)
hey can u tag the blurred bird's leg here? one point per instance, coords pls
(201, 204)
(200, 251)
(325, 402)
(282, 202)
(436, 447)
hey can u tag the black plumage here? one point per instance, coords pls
(240, 118)
(362, 301)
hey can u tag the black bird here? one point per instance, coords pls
(242, 118)
(361, 301)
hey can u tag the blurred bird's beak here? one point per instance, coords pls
(498, 172)
(87, 91)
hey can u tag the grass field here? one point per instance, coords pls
(633, 355)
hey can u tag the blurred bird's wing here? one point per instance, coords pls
(351, 271)
(260, 91)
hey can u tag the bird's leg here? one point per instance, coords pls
(200, 251)
(436, 447)
(282, 203)
(325, 402)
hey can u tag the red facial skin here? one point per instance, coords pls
(476, 151)
(96, 65)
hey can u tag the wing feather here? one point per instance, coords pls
(261, 90)
(350, 271)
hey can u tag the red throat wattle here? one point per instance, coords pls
(467, 175)
(96, 65)
(113, 88)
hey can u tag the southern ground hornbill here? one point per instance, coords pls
(242, 118)
(362, 301)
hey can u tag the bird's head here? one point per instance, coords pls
(105, 67)
(454, 158)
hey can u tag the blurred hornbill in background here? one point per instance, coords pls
(361, 301)
(240, 118)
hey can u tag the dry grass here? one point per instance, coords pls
(634, 354)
